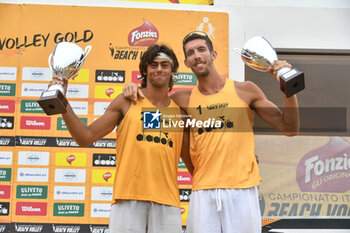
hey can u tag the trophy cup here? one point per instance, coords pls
(258, 54)
(65, 61)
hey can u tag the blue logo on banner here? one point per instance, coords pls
(151, 120)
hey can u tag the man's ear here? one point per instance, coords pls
(213, 55)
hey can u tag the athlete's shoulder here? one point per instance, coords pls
(120, 103)
(245, 85)
(181, 97)
(248, 91)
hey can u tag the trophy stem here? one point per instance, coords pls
(283, 71)
(56, 87)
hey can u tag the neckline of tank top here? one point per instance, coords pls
(226, 83)
(146, 99)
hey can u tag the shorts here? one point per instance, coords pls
(131, 216)
(224, 211)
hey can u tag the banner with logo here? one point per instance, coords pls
(309, 176)
(47, 182)
(197, 2)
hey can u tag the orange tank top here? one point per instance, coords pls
(147, 160)
(223, 157)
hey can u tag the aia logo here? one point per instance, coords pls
(145, 35)
(29, 122)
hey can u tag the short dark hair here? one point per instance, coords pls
(197, 35)
(148, 57)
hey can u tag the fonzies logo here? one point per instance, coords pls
(145, 35)
(326, 169)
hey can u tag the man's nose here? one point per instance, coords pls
(159, 67)
(196, 54)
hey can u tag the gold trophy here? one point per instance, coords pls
(65, 61)
(259, 54)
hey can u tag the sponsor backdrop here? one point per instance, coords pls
(198, 2)
(310, 178)
(48, 183)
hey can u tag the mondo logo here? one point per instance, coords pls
(145, 35)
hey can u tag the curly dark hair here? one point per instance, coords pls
(148, 57)
(197, 35)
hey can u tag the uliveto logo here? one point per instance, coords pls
(31, 208)
(40, 123)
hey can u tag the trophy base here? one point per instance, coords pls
(292, 82)
(53, 102)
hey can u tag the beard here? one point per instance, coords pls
(202, 74)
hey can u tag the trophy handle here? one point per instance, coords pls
(242, 53)
(86, 52)
(50, 61)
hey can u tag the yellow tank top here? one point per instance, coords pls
(147, 160)
(223, 157)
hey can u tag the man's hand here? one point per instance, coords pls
(131, 91)
(63, 81)
(276, 66)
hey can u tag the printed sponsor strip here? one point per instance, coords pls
(8, 73)
(33, 158)
(32, 175)
(6, 157)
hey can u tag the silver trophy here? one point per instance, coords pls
(259, 54)
(65, 61)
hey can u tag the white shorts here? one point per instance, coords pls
(131, 216)
(224, 211)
